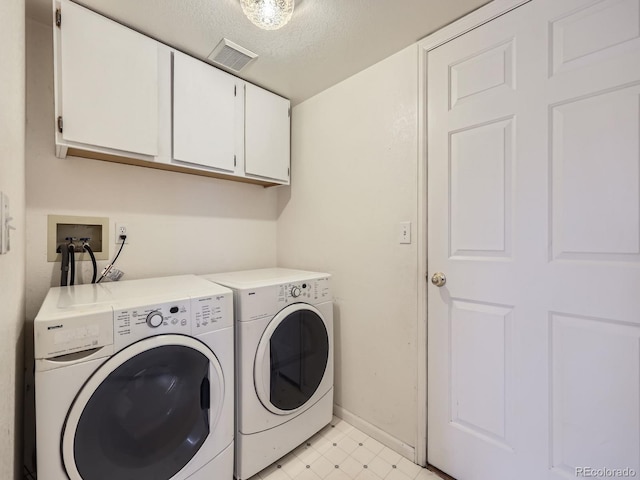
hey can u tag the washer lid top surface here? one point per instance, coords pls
(80, 300)
(249, 279)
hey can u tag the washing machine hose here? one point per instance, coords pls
(72, 263)
(64, 267)
(93, 261)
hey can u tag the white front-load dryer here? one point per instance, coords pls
(284, 361)
(134, 380)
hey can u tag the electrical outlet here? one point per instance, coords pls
(122, 229)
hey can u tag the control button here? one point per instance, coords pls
(174, 309)
(183, 322)
(154, 319)
(295, 292)
(174, 321)
(304, 285)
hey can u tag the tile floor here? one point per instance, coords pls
(342, 452)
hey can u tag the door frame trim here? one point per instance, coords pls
(467, 23)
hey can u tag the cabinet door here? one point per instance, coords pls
(109, 83)
(267, 134)
(203, 114)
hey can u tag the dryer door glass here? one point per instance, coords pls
(147, 419)
(299, 351)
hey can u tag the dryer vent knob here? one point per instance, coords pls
(155, 319)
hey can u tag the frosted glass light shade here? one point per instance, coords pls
(268, 14)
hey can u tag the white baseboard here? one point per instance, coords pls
(374, 432)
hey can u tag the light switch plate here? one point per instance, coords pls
(404, 232)
(5, 226)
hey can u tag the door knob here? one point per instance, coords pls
(438, 279)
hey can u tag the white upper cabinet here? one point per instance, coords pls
(108, 83)
(123, 97)
(204, 114)
(267, 134)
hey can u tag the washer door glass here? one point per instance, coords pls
(147, 418)
(298, 352)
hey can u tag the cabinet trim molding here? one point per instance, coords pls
(76, 152)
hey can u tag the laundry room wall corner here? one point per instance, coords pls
(354, 180)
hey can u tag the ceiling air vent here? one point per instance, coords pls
(229, 55)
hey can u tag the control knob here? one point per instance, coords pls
(155, 319)
(295, 292)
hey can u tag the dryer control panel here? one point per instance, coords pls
(267, 301)
(311, 291)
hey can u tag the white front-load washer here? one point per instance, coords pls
(134, 380)
(284, 361)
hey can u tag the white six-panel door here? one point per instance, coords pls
(534, 218)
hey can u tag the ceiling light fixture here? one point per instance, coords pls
(268, 14)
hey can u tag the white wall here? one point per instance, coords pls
(12, 265)
(177, 223)
(354, 179)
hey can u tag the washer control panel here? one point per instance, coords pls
(211, 313)
(155, 319)
(133, 324)
(188, 316)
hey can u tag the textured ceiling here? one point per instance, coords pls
(325, 42)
